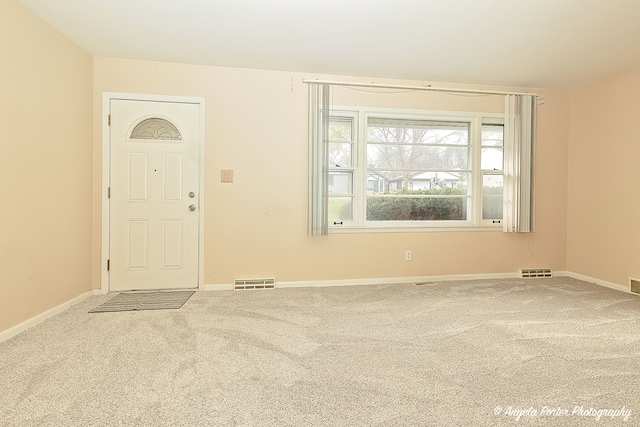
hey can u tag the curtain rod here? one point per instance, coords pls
(424, 87)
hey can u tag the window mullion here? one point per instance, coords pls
(476, 180)
(360, 190)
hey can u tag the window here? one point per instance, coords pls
(392, 169)
(157, 129)
(492, 164)
(341, 169)
(421, 168)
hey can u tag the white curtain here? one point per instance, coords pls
(319, 114)
(519, 139)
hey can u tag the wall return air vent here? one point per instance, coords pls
(246, 284)
(535, 272)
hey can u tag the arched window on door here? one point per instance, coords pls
(157, 129)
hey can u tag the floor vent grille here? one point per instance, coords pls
(424, 283)
(535, 272)
(247, 284)
(634, 285)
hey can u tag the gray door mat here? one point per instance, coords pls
(135, 301)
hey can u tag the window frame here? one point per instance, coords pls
(360, 116)
(491, 121)
(353, 168)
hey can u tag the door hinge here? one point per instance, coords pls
(108, 264)
(108, 192)
(109, 119)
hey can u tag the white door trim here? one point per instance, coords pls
(107, 97)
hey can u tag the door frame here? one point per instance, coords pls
(107, 97)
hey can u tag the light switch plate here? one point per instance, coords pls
(226, 175)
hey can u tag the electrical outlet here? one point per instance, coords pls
(407, 256)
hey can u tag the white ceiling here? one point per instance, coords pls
(535, 43)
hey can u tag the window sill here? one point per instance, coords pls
(437, 229)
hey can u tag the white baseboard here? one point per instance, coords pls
(419, 279)
(391, 280)
(377, 281)
(221, 287)
(604, 283)
(30, 323)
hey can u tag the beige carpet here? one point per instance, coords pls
(482, 353)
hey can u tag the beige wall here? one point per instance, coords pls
(604, 182)
(45, 166)
(256, 227)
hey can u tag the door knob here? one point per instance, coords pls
(192, 207)
(192, 194)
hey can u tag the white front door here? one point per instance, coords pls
(154, 194)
